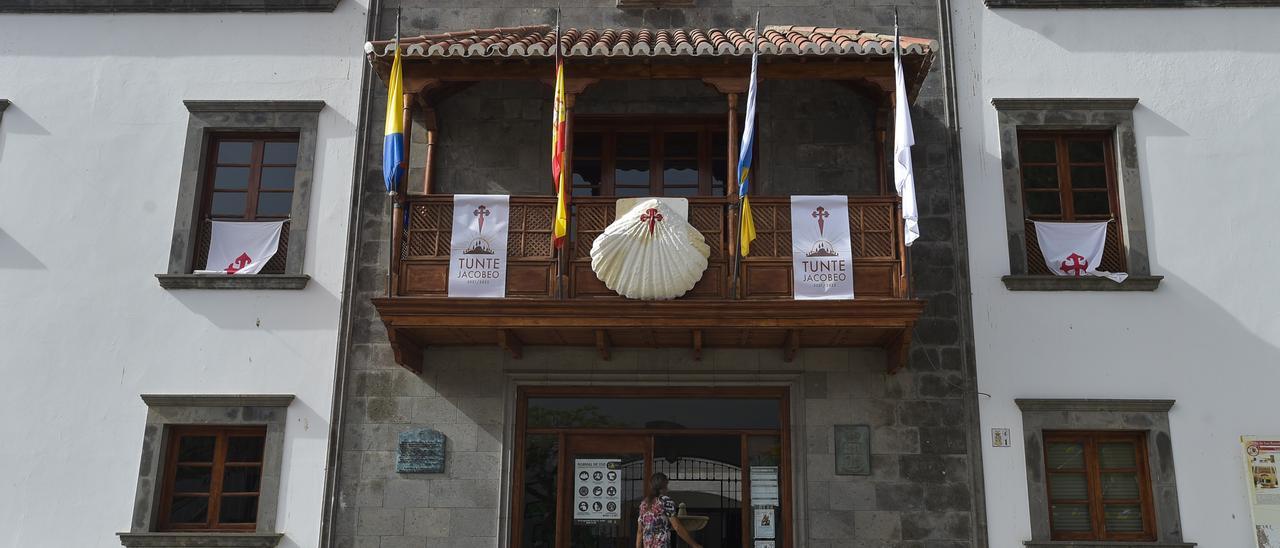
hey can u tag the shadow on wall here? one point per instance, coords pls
(1107, 30)
(17, 122)
(313, 308)
(15, 257)
(309, 429)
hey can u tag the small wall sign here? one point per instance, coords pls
(853, 450)
(999, 437)
(420, 451)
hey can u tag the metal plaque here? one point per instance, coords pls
(853, 450)
(420, 451)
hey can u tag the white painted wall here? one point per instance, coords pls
(90, 154)
(1209, 84)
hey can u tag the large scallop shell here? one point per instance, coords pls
(650, 253)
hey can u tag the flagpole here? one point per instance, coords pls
(558, 252)
(737, 252)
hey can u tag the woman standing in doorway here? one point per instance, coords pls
(658, 518)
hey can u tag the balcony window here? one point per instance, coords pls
(629, 157)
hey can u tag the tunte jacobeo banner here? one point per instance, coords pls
(478, 247)
(821, 253)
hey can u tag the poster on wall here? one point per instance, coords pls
(597, 489)
(764, 527)
(821, 252)
(1260, 464)
(478, 246)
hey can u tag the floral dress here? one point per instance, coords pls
(655, 525)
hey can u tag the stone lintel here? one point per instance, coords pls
(1103, 544)
(1102, 405)
(1074, 103)
(217, 400)
(253, 106)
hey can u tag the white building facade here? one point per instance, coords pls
(112, 118)
(1172, 109)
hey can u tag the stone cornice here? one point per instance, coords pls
(253, 106)
(1050, 405)
(1093, 4)
(217, 400)
(1083, 103)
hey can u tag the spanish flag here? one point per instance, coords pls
(747, 228)
(559, 175)
(393, 140)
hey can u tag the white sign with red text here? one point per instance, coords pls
(821, 253)
(478, 248)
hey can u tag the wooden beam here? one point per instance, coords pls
(697, 345)
(508, 341)
(407, 352)
(898, 350)
(602, 344)
(791, 345)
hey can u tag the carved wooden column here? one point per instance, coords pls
(731, 88)
(429, 122)
(572, 88)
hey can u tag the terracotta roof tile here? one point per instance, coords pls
(537, 41)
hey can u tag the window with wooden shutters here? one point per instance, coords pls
(1099, 486)
(1070, 176)
(250, 178)
(213, 478)
(630, 157)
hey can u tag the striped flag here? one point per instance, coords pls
(559, 175)
(747, 227)
(393, 137)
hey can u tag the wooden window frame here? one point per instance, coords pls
(656, 127)
(218, 466)
(1093, 474)
(256, 164)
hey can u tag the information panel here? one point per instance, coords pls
(1261, 469)
(597, 489)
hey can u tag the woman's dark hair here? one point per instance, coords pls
(657, 486)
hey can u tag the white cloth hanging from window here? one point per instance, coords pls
(1074, 249)
(240, 248)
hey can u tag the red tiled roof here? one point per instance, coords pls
(536, 41)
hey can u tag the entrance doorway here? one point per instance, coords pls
(588, 454)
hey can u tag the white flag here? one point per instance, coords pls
(478, 247)
(241, 248)
(821, 250)
(904, 178)
(1074, 249)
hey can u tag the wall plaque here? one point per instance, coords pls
(853, 450)
(420, 451)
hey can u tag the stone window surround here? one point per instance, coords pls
(208, 118)
(164, 411)
(1115, 115)
(165, 6)
(1151, 416)
(1084, 4)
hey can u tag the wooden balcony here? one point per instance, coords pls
(558, 301)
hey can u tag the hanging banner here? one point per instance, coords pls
(478, 248)
(597, 487)
(241, 247)
(821, 254)
(1261, 467)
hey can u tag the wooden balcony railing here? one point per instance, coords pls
(532, 271)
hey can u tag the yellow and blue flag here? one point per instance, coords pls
(393, 164)
(747, 227)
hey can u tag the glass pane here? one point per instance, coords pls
(1085, 151)
(632, 145)
(719, 174)
(1120, 485)
(274, 204)
(235, 152)
(719, 145)
(241, 479)
(764, 450)
(231, 178)
(196, 448)
(1068, 486)
(244, 448)
(680, 172)
(680, 191)
(280, 153)
(608, 533)
(566, 412)
(586, 145)
(1091, 203)
(1122, 518)
(192, 479)
(680, 145)
(631, 191)
(227, 204)
(1043, 203)
(238, 509)
(764, 454)
(705, 474)
(631, 172)
(1071, 517)
(586, 172)
(1040, 176)
(1089, 177)
(1037, 151)
(189, 510)
(1066, 455)
(541, 459)
(1117, 455)
(277, 178)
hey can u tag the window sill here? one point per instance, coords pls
(1063, 283)
(1103, 544)
(257, 281)
(200, 539)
